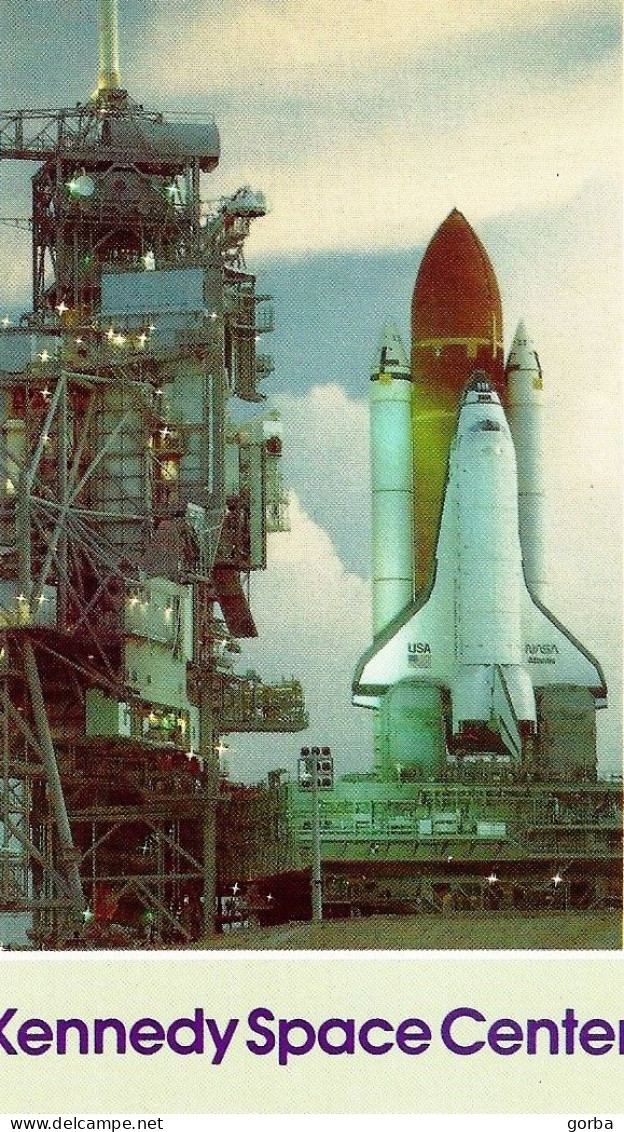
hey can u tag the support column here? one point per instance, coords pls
(211, 771)
(63, 453)
(69, 854)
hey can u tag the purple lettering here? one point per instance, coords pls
(596, 1036)
(196, 1027)
(261, 1014)
(347, 1026)
(34, 1036)
(364, 1036)
(505, 1036)
(413, 1030)
(100, 1026)
(221, 1040)
(7, 1017)
(146, 1036)
(288, 1026)
(447, 1035)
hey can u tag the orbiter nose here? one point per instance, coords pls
(479, 388)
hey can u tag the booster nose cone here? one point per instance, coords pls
(390, 356)
(523, 355)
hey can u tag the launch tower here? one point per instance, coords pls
(131, 512)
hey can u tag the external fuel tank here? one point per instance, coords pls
(457, 327)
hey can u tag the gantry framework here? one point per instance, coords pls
(132, 511)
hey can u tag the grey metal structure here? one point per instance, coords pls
(132, 510)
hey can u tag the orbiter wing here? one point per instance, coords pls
(553, 656)
(419, 646)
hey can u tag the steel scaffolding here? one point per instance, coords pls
(131, 512)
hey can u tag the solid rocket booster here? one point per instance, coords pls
(526, 420)
(457, 326)
(391, 479)
(392, 528)
(478, 632)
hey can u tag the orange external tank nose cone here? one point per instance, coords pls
(457, 327)
(456, 303)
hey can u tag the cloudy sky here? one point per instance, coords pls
(365, 123)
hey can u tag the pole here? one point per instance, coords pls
(317, 883)
(108, 43)
(63, 453)
(211, 785)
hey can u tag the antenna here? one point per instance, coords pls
(108, 43)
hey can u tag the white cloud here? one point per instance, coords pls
(326, 462)
(366, 122)
(269, 45)
(388, 180)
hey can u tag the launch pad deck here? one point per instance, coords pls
(422, 847)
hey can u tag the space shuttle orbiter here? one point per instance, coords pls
(477, 633)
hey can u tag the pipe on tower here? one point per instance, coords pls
(108, 43)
